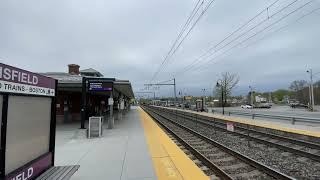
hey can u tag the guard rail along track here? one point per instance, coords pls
(223, 161)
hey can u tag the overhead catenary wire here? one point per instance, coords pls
(246, 32)
(285, 16)
(237, 37)
(190, 18)
(202, 13)
(206, 8)
(164, 81)
(283, 27)
(181, 41)
(231, 34)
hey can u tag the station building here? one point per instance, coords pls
(84, 93)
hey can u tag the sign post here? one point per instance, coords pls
(111, 119)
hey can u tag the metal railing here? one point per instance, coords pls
(293, 119)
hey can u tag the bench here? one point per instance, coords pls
(58, 173)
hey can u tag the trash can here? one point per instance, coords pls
(95, 126)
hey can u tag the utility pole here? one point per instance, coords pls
(311, 91)
(166, 84)
(222, 101)
(147, 92)
(270, 100)
(175, 90)
(204, 98)
(251, 95)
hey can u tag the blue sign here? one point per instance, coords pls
(100, 86)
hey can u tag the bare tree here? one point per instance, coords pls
(298, 85)
(227, 83)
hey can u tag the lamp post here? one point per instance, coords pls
(203, 98)
(222, 101)
(251, 95)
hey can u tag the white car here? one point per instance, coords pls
(247, 106)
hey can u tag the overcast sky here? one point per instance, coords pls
(128, 39)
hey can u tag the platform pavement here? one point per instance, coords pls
(121, 154)
(136, 149)
(170, 162)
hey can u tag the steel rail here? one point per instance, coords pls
(285, 139)
(266, 169)
(215, 168)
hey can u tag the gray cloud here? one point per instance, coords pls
(129, 39)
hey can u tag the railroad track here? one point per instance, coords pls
(302, 148)
(223, 161)
(298, 166)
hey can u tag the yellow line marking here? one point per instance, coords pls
(169, 160)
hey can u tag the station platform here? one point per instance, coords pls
(136, 149)
(308, 129)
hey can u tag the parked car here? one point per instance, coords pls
(298, 105)
(263, 105)
(247, 106)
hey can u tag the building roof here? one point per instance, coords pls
(90, 70)
(64, 77)
(75, 81)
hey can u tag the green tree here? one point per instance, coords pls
(281, 93)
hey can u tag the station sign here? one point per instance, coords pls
(100, 86)
(15, 80)
(31, 170)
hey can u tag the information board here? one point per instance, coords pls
(28, 127)
(100, 86)
(15, 80)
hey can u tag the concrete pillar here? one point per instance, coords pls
(66, 110)
(111, 119)
(121, 107)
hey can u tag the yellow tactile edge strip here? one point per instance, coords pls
(257, 123)
(169, 161)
